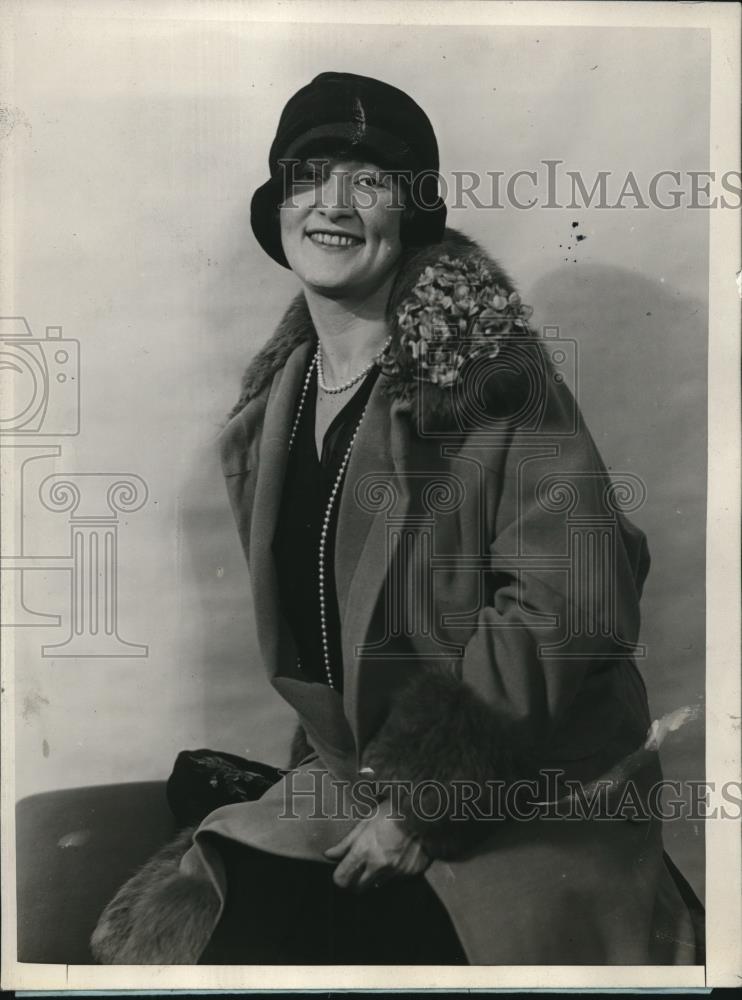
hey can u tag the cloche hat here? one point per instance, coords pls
(363, 115)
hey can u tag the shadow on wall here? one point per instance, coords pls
(642, 387)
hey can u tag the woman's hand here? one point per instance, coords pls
(376, 850)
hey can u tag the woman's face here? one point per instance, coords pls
(340, 227)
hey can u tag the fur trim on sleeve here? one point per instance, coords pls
(161, 916)
(439, 736)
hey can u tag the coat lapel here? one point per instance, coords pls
(374, 491)
(275, 641)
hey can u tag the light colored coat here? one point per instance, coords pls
(489, 589)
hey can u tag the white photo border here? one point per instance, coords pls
(723, 758)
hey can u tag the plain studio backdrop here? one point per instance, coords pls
(135, 146)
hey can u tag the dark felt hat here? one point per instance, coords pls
(381, 123)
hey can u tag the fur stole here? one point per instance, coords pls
(161, 916)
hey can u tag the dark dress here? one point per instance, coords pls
(282, 911)
(306, 491)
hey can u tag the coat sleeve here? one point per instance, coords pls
(566, 571)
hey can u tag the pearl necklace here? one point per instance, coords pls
(322, 545)
(352, 381)
(302, 398)
(316, 362)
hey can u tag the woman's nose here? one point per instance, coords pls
(336, 193)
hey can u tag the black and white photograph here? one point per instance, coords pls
(369, 426)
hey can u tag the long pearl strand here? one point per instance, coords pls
(352, 381)
(302, 398)
(322, 545)
(317, 363)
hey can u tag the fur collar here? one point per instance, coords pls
(296, 327)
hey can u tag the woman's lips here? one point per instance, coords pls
(335, 240)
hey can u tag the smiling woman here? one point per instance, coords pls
(404, 463)
(340, 232)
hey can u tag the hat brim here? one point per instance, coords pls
(264, 219)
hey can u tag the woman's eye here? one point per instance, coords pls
(308, 173)
(369, 180)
